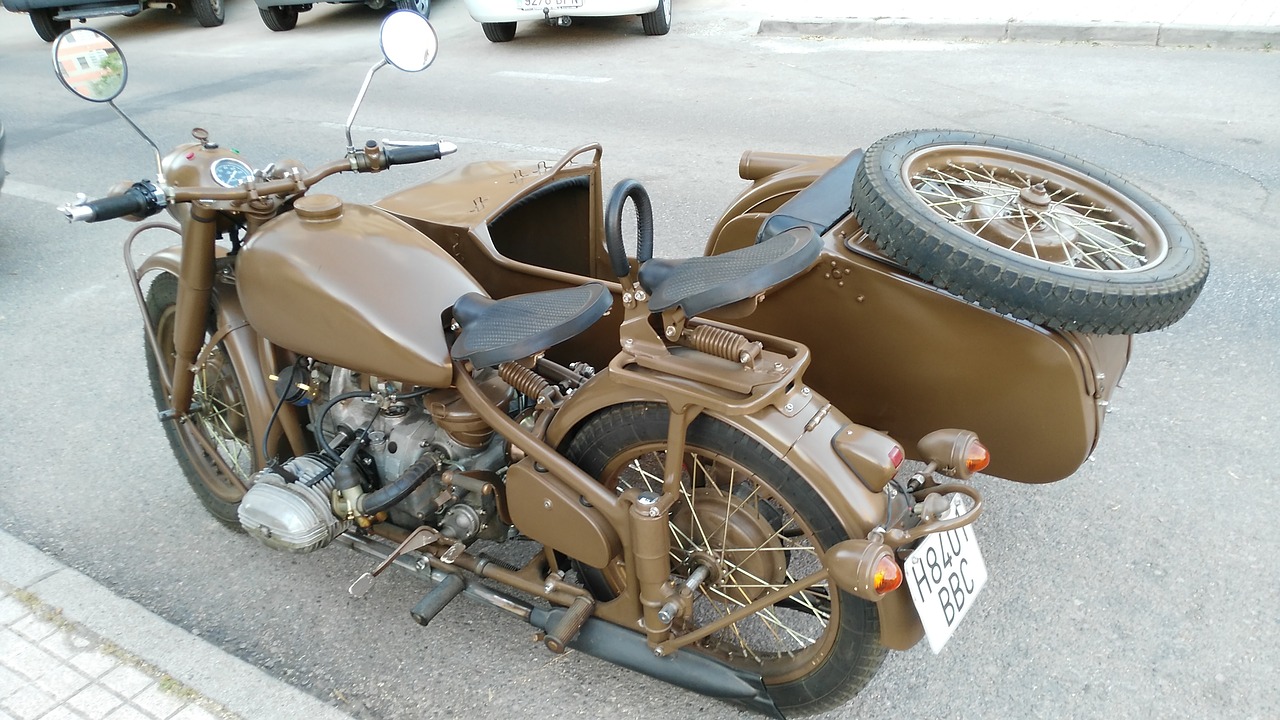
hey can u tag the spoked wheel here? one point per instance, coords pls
(279, 18)
(755, 526)
(1028, 231)
(215, 445)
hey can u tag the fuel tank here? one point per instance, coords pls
(351, 285)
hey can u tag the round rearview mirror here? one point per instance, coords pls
(90, 64)
(408, 41)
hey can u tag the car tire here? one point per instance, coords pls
(657, 22)
(279, 18)
(46, 27)
(499, 32)
(209, 13)
(422, 7)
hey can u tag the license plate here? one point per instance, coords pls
(945, 573)
(547, 4)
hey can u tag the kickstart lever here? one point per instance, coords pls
(417, 540)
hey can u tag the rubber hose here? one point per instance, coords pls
(388, 495)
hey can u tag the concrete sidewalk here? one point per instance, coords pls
(70, 649)
(1243, 24)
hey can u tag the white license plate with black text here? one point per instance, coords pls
(945, 573)
(547, 4)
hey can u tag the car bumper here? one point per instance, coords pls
(514, 10)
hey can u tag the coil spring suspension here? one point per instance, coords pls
(525, 381)
(722, 343)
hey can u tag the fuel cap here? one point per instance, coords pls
(318, 208)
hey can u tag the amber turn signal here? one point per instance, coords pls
(888, 575)
(955, 452)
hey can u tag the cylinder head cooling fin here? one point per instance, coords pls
(288, 509)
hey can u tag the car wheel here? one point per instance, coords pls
(422, 7)
(658, 22)
(46, 27)
(279, 18)
(209, 13)
(499, 32)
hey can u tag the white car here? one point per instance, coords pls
(499, 17)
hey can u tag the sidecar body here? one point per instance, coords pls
(891, 351)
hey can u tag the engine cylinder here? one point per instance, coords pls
(287, 508)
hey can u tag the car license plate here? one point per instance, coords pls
(547, 4)
(945, 573)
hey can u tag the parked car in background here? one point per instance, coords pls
(498, 18)
(281, 15)
(51, 17)
(1, 154)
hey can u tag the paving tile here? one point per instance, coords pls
(34, 628)
(125, 680)
(157, 701)
(95, 702)
(12, 609)
(194, 712)
(62, 682)
(93, 663)
(62, 712)
(28, 703)
(128, 712)
(65, 645)
(10, 682)
(27, 659)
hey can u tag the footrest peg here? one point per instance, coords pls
(434, 601)
(559, 637)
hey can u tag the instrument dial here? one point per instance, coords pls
(230, 172)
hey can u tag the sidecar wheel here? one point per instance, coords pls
(46, 27)
(815, 650)
(219, 417)
(209, 13)
(658, 21)
(1028, 231)
(279, 18)
(499, 32)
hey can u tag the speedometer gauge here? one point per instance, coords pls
(229, 172)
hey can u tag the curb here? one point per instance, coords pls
(1117, 33)
(239, 687)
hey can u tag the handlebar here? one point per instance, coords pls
(142, 199)
(404, 155)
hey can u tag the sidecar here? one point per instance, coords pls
(890, 350)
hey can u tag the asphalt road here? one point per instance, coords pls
(1143, 586)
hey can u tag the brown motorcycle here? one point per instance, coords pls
(419, 381)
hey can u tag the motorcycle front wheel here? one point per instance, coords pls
(215, 443)
(758, 526)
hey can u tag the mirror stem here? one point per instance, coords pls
(154, 148)
(351, 148)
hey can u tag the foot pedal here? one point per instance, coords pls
(559, 637)
(434, 601)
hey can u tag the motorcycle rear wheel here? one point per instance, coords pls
(761, 526)
(218, 414)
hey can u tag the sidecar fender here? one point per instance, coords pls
(808, 451)
(247, 350)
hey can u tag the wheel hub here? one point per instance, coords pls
(1024, 224)
(735, 540)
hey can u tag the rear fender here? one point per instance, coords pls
(808, 451)
(252, 354)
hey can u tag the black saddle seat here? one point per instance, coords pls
(706, 283)
(498, 331)
(820, 205)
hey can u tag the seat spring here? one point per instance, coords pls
(524, 380)
(720, 342)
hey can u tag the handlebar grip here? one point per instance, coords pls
(418, 153)
(139, 199)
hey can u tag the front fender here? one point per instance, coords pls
(248, 351)
(808, 451)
